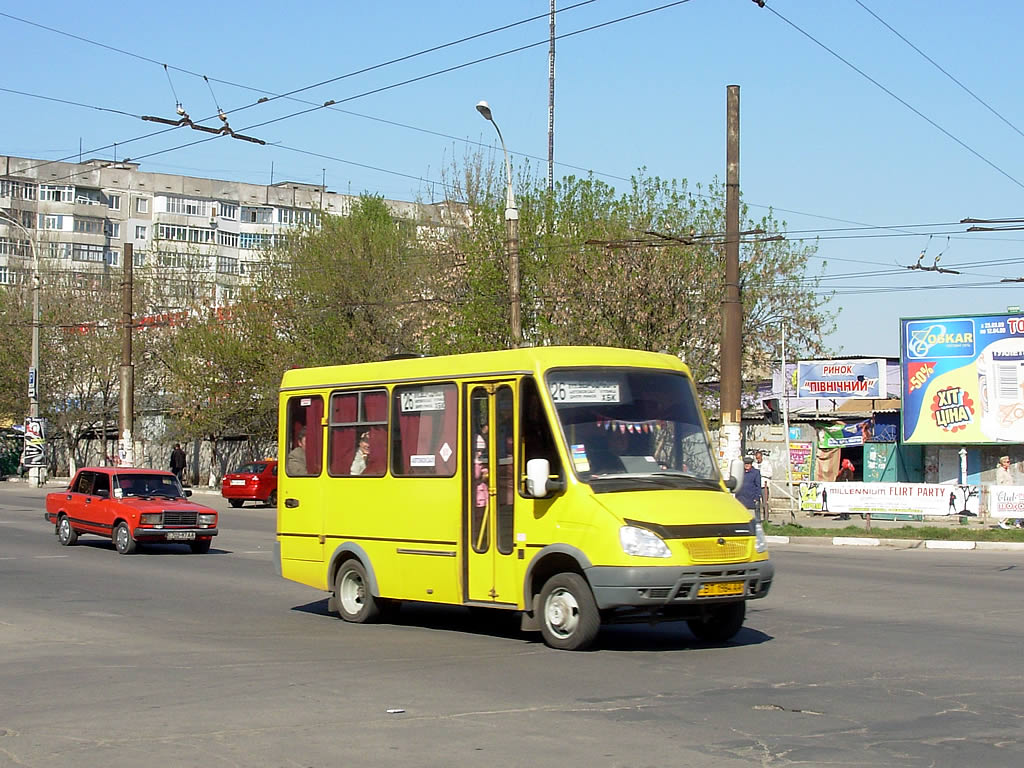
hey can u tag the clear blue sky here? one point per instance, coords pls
(820, 143)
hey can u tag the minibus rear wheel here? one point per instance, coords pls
(719, 623)
(569, 617)
(355, 603)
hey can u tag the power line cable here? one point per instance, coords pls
(935, 64)
(902, 101)
(275, 96)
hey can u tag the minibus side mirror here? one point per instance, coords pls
(538, 484)
(736, 472)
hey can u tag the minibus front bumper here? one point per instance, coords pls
(665, 585)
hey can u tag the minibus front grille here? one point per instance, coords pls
(180, 517)
(718, 550)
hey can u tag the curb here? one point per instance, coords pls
(862, 541)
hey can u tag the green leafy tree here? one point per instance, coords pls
(80, 339)
(350, 290)
(641, 269)
(15, 351)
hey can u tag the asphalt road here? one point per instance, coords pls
(857, 658)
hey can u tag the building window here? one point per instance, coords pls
(57, 250)
(112, 229)
(297, 216)
(115, 202)
(8, 276)
(228, 211)
(89, 226)
(18, 190)
(252, 215)
(82, 252)
(253, 240)
(227, 265)
(10, 247)
(188, 206)
(56, 194)
(142, 205)
(113, 257)
(139, 258)
(49, 221)
(140, 232)
(89, 197)
(230, 239)
(171, 232)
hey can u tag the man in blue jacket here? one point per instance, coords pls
(749, 493)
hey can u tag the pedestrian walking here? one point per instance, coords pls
(178, 462)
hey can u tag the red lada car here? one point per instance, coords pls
(130, 506)
(255, 481)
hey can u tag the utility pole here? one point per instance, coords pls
(730, 437)
(127, 425)
(551, 101)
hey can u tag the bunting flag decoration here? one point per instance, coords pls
(631, 427)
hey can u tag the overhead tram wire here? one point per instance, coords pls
(393, 85)
(290, 96)
(246, 87)
(935, 64)
(902, 101)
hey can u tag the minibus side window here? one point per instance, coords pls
(423, 431)
(304, 436)
(358, 442)
(537, 440)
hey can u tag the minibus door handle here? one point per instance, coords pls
(291, 503)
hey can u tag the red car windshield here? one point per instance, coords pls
(139, 484)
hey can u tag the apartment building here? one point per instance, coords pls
(79, 216)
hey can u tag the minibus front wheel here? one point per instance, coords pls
(569, 619)
(352, 592)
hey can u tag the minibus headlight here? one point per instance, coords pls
(760, 541)
(642, 543)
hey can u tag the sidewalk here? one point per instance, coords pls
(876, 536)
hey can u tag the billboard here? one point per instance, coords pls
(963, 379)
(890, 498)
(841, 379)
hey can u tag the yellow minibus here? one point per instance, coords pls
(575, 485)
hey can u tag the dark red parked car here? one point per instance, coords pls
(255, 481)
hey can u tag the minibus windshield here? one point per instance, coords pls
(631, 429)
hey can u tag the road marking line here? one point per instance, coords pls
(48, 557)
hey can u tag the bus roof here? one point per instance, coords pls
(501, 362)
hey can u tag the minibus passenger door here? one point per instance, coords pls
(300, 519)
(490, 494)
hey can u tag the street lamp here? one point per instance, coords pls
(511, 231)
(33, 393)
